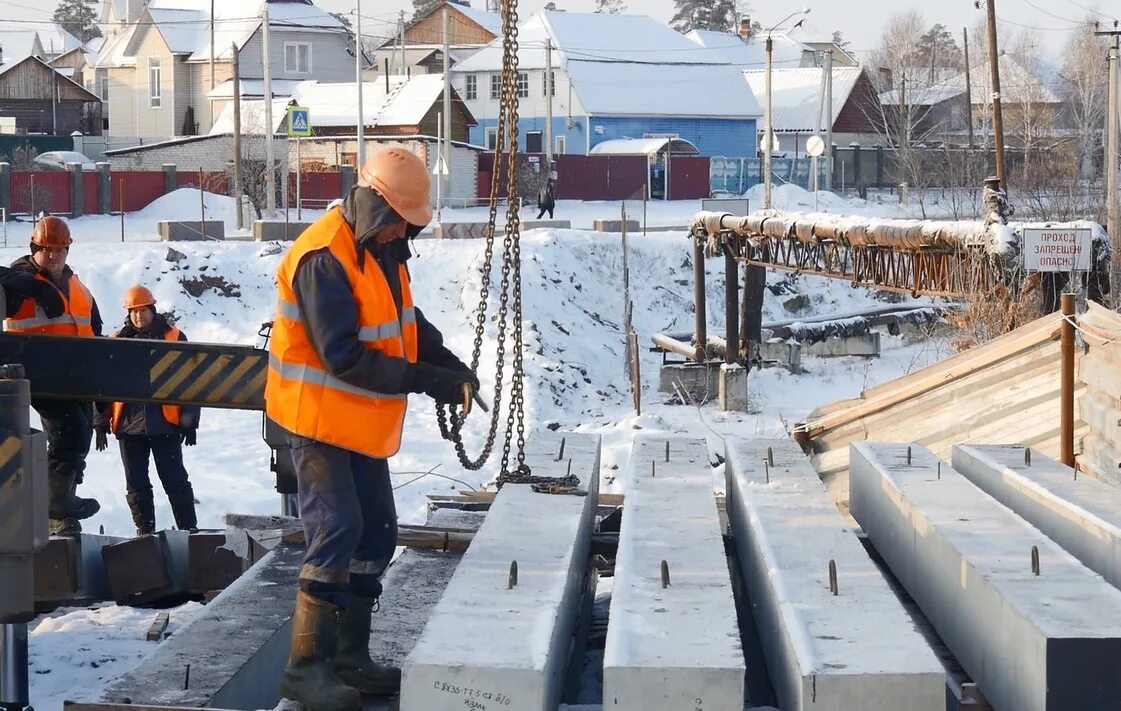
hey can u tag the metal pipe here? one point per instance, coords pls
(998, 114)
(1067, 387)
(672, 345)
(699, 298)
(731, 305)
(14, 688)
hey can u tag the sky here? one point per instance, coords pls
(1053, 19)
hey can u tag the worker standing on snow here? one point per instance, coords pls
(159, 431)
(68, 424)
(545, 199)
(346, 348)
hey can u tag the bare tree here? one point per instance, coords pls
(1084, 89)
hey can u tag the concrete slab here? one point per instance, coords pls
(1032, 640)
(278, 230)
(1082, 515)
(856, 650)
(191, 231)
(497, 640)
(236, 649)
(671, 581)
(615, 226)
(70, 570)
(866, 345)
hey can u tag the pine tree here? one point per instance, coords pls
(78, 17)
(423, 7)
(610, 7)
(718, 15)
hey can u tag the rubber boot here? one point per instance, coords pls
(310, 676)
(143, 509)
(63, 503)
(352, 661)
(183, 509)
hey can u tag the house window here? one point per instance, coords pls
(155, 80)
(533, 142)
(470, 88)
(492, 138)
(495, 82)
(549, 83)
(297, 58)
(523, 85)
(560, 141)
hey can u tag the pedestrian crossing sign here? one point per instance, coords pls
(299, 121)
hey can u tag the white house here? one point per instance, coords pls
(160, 81)
(614, 77)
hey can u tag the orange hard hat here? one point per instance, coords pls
(51, 231)
(400, 177)
(138, 296)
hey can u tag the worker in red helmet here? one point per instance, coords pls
(68, 424)
(347, 347)
(156, 431)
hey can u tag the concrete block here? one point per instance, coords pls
(277, 230)
(1032, 640)
(699, 381)
(784, 353)
(211, 566)
(654, 657)
(615, 226)
(1082, 515)
(546, 224)
(732, 388)
(70, 570)
(856, 650)
(497, 640)
(867, 345)
(147, 568)
(236, 648)
(191, 231)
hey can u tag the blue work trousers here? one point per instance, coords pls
(350, 522)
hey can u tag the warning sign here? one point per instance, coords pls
(1057, 250)
(299, 122)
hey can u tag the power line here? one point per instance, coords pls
(1053, 15)
(1090, 9)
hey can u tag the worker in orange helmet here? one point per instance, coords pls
(159, 431)
(68, 424)
(347, 347)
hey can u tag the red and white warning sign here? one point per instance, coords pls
(1056, 249)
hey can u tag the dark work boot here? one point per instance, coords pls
(143, 509)
(310, 676)
(64, 526)
(352, 661)
(183, 509)
(63, 503)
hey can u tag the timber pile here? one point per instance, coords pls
(1100, 405)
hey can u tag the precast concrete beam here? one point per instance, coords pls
(850, 651)
(1033, 627)
(672, 637)
(1083, 514)
(500, 637)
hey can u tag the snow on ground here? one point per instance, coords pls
(573, 306)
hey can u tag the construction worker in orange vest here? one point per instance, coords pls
(346, 349)
(159, 431)
(68, 424)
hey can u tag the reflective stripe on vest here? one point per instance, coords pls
(76, 319)
(301, 394)
(170, 412)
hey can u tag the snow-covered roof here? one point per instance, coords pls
(182, 30)
(795, 94)
(1023, 80)
(255, 88)
(252, 117)
(751, 53)
(627, 65)
(489, 21)
(17, 44)
(115, 51)
(53, 38)
(645, 146)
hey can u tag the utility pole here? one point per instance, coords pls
(212, 55)
(401, 38)
(968, 86)
(360, 151)
(445, 175)
(270, 163)
(237, 135)
(548, 108)
(767, 130)
(998, 114)
(1112, 209)
(829, 119)
(904, 110)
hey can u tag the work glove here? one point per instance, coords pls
(23, 285)
(445, 385)
(101, 438)
(190, 437)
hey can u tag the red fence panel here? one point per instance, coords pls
(689, 178)
(89, 193)
(135, 189)
(319, 187)
(216, 182)
(38, 190)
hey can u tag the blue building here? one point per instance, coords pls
(614, 76)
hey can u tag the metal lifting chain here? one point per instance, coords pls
(506, 147)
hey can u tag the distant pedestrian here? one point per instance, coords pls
(157, 431)
(545, 199)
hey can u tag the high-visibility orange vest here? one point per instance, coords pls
(76, 320)
(300, 394)
(170, 412)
